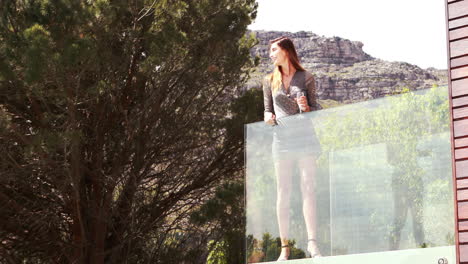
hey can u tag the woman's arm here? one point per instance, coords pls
(311, 92)
(267, 97)
(268, 115)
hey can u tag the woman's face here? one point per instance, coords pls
(278, 55)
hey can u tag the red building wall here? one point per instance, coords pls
(457, 37)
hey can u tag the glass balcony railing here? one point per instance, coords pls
(365, 182)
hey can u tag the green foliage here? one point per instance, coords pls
(328, 103)
(269, 249)
(413, 129)
(226, 212)
(217, 255)
(391, 122)
(37, 52)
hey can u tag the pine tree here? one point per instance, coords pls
(113, 120)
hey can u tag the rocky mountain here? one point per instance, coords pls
(343, 71)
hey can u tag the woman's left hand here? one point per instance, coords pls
(302, 102)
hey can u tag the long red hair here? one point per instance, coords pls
(287, 45)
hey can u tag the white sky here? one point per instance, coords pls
(412, 31)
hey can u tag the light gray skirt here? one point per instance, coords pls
(294, 138)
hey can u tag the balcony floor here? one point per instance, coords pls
(409, 256)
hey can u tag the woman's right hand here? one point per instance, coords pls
(270, 118)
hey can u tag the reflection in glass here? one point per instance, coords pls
(380, 176)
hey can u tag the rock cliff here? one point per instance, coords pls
(344, 72)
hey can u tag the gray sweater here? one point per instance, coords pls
(282, 103)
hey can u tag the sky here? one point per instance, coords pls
(412, 31)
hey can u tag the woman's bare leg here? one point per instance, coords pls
(284, 171)
(307, 168)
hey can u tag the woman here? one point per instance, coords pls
(290, 90)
